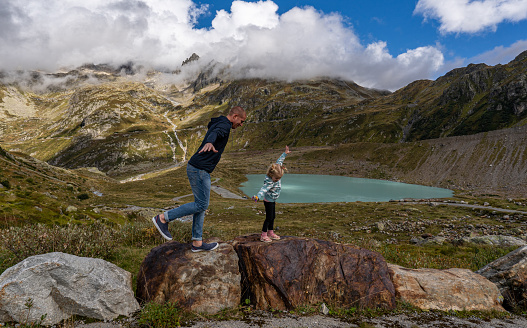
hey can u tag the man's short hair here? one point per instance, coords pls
(238, 111)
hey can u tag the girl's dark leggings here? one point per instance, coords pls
(269, 216)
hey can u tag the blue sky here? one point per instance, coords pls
(378, 44)
(397, 23)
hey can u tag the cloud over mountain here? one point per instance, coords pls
(251, 38)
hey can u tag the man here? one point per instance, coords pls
(199, 167)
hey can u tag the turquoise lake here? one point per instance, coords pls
(310, 188)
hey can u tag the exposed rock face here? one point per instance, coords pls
(477, 98)
(445, 290)
(190, 59)
(201, 282)
(61, 285)
(472, 80)
(297, 271)
(509, 273)
(450, 157)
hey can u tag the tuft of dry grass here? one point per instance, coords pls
(94, 240)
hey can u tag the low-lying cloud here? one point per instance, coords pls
(252, 39)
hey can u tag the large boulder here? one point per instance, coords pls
(205, 282)
(495, 240)
(295, 271)
(509, 273)
(445, 290)
(60, 285)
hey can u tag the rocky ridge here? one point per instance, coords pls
(125, 122)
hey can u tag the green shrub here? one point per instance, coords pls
(83, 196)
(6, 184)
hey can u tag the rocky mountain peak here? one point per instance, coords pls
(520, 57)
(190, 59)
(471, 68)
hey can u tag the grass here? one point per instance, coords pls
(442, 257)
(27, 201)
(161, 315)
(34, 220)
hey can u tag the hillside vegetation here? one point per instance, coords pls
(441, 133)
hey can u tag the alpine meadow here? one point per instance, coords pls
(89, 155)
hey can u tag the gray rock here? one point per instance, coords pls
(496, 240)
(70, 209)
(324, 309)
(445, 290)
(380, 226)
(60, 285)
(435, 240)
(420, 241)
(509, 273)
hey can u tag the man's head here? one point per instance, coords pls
(237, 116)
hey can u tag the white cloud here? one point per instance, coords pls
(252, 38)
(394, 72)
(471, 16)
(500, 55)
(244, 15)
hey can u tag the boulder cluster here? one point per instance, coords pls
(295, 272)
(281, 275)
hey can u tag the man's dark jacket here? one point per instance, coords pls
(218, 135)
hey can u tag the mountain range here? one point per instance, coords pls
(124, 122)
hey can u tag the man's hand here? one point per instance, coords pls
(287, 151)
(208, 147)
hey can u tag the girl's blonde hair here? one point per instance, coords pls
(276, 171)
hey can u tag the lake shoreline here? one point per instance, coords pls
(314, 188)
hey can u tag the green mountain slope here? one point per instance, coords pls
(469, 100)
(126, 124)
(34, 191)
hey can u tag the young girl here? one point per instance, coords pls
(269, 193)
